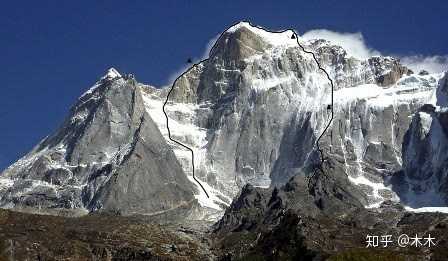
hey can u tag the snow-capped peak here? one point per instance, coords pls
(112, 73)
(281, 38)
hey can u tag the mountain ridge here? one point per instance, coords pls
(251, 113)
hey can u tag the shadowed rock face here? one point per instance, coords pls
(262, 103)
(395, 72)
(148, 180)
(296, 236)
(328, 192)
(347, 71)
(251, 112)
(108, 155)
(319, 220)
(442, 91)
(423, 181)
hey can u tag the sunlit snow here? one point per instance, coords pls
(276, 38)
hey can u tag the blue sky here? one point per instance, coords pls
(52, 51)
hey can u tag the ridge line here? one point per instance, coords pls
(332, 99)
(203, 60)
(177, 142)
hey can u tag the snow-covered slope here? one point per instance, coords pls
(254, 109)
(251, 113)
(108, 155)
(369, 127)
(422, 185)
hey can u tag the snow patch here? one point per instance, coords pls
(376, 187)
(427, 209)
(213, 201)
(5, 183)
(274, 38)
(379, 97)
(425, 122)
(266, 84)
(182, 119)
(111, 74)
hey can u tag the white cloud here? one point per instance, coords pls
(356, 46)
(209, 46)
(177, 73)
(433, 64)
(185, 67)
(353, 43)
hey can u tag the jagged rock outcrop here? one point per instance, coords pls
(108, 155)
(296, 236)
(347, 71)
(297, 222)
(423, 180)
(256, 106)
(252, 113)
(394, 73)
(329, 192)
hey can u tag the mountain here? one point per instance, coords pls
(322, 223)
(295, 149)
(253, 112)
(94, 161)
(422, 182)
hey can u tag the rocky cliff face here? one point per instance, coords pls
(423, 180)
(252, 113)
(329, 194)
(108, 155)
(258, 104)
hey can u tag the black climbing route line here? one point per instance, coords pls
(177, 142)
(332, 100)
(319, 169)
(293, 36)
